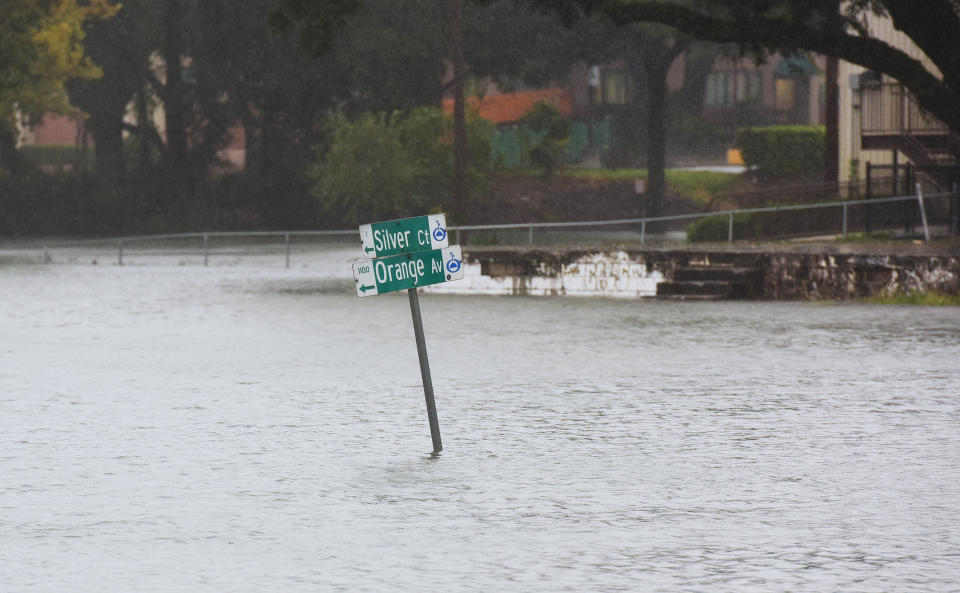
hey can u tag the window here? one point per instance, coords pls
(615, 87)
(786, 94)
(756, 86)
(725, 88)
(716, 92)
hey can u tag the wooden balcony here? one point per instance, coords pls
(891, 119)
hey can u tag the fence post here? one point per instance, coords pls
(119, 252)
(286, 242)
(206, 254)
(923, 215)
(955, 210)
(530, 235)
(868, 209)
(844, 220)
(896, 175)
(643, 231)
(730, 229)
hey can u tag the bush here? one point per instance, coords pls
(65, 204)
(783, 151)
(547, 144)
(765, 225)
(382, 166)
(57, 158)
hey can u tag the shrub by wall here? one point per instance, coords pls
(783, 151)
(766, 225)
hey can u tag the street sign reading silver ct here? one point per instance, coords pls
(406, 235)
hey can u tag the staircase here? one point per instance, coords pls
(891, 119)
(936, 155)
(715, 277)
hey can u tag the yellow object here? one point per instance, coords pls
(734, 157)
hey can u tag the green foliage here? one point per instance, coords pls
(33, 203)
(934, 299)
(714, 229)
(783, 151)
(827, 27)
(57, 158)
(701, 186)
(549, 134)
(765, 225)
(41, 46)
(865, 237)
(382, 166)
(314, 24)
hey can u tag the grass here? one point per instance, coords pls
(929, 299)
(865, 237)
(700, 186)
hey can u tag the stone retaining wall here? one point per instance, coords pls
(634, 273)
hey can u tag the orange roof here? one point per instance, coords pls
(510, 107)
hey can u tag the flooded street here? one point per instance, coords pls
(245, 427)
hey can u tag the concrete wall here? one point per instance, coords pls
(634, 273)
(545, 273)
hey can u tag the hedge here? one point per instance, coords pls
(783, 151)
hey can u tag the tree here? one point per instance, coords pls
(655, 48)
(41, 46)
(551, 135)
(121, 47)
(382, 166)
(649, 50)
(246, 74)
(760, 26)
(394, 54)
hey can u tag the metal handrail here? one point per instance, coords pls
(121, 242)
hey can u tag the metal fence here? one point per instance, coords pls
(915, 214)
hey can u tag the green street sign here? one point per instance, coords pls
(409, 270)
(406, 235)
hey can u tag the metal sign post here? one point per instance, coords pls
(425, 370)
(408, 254)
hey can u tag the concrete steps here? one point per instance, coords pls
(713, 281)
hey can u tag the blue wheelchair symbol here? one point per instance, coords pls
(439, 233)
(453, 266)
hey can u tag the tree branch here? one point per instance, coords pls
(933, 25)
(782, 35)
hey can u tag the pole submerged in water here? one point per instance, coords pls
(425, 369)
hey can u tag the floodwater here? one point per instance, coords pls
(245, 427)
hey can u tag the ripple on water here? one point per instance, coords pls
(170, 428)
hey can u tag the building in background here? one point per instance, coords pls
(883, 128)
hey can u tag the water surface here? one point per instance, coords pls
(245, 427)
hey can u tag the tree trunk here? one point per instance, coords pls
(698, 63)
(173, 96)
(656, 77)
(108, 144)
(831, 152)
(656, 144)
(459, 117)
(10, 158)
